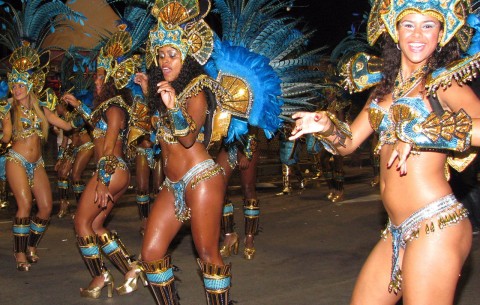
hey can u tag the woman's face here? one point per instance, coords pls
(99, 80)
(19, 91)
(418, 36)
(170, 61)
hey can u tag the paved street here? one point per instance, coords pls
(309, 251)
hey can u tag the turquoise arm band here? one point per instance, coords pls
(180, 122)
(84, 111)
(451, 131)
(106, 168)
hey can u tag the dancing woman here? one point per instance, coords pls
(111, 179)
(25, 122)
(428, 236)
(244, 154)
(194, 184)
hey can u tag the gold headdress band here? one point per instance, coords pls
(385, 15)
(117, 46)
(177, 28)
(25, 62)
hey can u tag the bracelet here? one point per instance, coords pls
(328, 132)
(84, 111)
(180, 122)
(106, 168)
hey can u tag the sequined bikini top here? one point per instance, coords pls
(409, 120)
(31, 124)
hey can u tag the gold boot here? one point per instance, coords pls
(287, 187)
(217, 282)
(64, 208)
(251, 213)
(161, 280)
(230, 242)
(21, 229)
(38, 227)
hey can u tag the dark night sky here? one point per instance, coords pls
(332, 19)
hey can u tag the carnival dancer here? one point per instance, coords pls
(26, 118)
(244, 154)
(76, 149)
(290, 158)
(194, 185)
(428, 236)
(261, 60)
(110, 118)
(25, 122)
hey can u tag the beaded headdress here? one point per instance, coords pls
(111, 58)
(181, 26)
(385, 15)
(25, 62)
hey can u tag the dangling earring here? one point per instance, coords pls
(438, 48)
(398, 47)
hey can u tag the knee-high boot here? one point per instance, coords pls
(161, 280)
(227, 224)
(62, 185)
(38, 227)
(143, 204)
(115, 250)
(299, 175)
(90, 251)
(328, 175)
(3, 194)
(339, 179)
(78, 188)
(251, 211)
(287, 187)
(21, 230)
(216, 280)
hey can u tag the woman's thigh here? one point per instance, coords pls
(161, 227)
(18, 182)
(433, 262)
(372, 283)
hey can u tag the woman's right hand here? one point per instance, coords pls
(309, 122)
(142, 80)
(102, 196)
(72, 100)
(167, 94)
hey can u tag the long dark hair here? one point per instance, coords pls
(391, 63)
(190, 69)
(108, 91)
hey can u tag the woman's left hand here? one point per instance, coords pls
(102, 196)
(401, 150)
(167, 93)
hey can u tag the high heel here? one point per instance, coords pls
(22, 266)
(249, 253)
(64, 208)
(232, 247)
(94, 292)
(131, 284)
(32, 257)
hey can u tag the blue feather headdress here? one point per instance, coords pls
(261, 60)
(23, 32)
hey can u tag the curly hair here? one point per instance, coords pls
(190, 69)
(108, 91)
(391, 63)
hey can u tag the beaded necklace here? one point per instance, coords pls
(403, 86)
